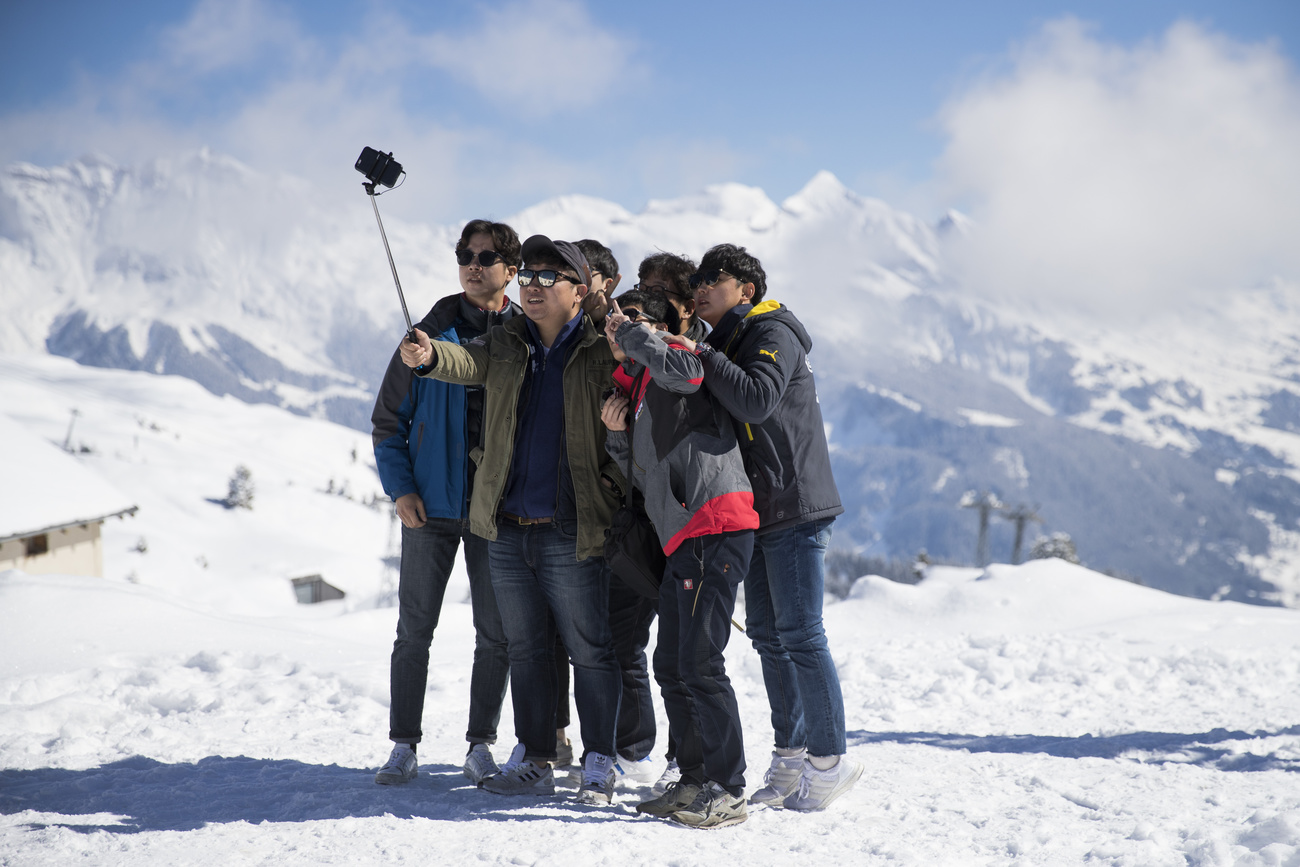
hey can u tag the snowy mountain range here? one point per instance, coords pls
(1169, 450)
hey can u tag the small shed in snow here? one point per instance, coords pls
(51, 507)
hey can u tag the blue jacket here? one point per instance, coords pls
(424, 429)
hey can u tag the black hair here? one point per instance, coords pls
(737, 262)
(676, 271)
(599, 257)
(504, 239)
(654, 305)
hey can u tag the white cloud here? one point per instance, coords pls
(536, 57)
(220, 34)
(281, 100)
(1123, 180)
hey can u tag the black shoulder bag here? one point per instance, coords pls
(632, 549)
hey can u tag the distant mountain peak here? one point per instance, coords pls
(954, 223)
(823, 192)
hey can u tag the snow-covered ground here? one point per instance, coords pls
(184, 710)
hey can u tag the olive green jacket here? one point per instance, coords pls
(498, 361)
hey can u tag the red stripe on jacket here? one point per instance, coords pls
(725, 513)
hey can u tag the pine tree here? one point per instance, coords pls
(1058, 545)
(241, 489)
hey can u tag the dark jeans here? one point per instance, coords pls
(783, 604)
(696, 601)
(562, 717)
(630, 616)
(539, 583)
(428, 554)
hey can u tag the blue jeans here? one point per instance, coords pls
(783, 604)
(428, 554)
(541, 589)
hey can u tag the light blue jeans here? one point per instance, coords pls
(783, 616)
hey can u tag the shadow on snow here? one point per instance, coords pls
(141, 794)
(1219, 749)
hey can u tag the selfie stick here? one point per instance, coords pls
(410, 329)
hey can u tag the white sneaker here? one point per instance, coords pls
(597, 780)
(519, 777)
(672, 774)
(400, 768)
(479, 764)
(780, 780)
(634, 772)
(818, 788)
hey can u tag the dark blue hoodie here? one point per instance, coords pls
(761, 375)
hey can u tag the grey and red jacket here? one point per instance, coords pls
(685, 458)
(761, 374)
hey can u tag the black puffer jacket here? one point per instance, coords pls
(761, 374)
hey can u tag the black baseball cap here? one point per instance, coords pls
(565, 251)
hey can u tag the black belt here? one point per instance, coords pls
(524, 521)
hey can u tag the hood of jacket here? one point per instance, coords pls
(744, 314)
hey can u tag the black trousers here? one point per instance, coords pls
(696, 601)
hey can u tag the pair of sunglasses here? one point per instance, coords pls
(655, 287)
(486, 258)
(707, 278)
(546, 279)
(636, 315)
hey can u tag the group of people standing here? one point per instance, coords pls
(517, 429)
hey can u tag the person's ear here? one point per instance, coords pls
(747, 291)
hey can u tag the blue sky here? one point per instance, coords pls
(493, 107)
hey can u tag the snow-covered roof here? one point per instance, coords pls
(43, 488)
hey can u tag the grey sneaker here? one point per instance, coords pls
(713, 807)
(818, 788)
(563, 753)
(780, 780)
(479, 764)
(597, 780)
(678, 796)
(671, 774)
(400, 768)
(520, 777)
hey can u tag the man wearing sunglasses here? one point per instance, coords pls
(670, 274)
(756, 364)
(423, 431)
(544, 493)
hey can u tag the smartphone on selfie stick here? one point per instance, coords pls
(380, 168)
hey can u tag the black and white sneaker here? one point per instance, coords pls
(520, 777)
